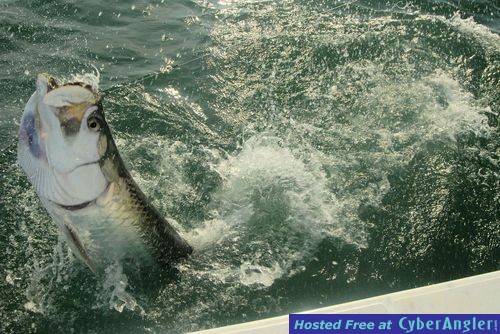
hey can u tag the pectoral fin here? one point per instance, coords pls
(77, 246)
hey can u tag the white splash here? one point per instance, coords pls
(91, 78)
(116, 282)
(271, 211)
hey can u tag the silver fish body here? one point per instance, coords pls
(67, 151)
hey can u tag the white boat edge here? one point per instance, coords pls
(476, 294)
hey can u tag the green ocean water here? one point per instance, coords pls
(312, 152)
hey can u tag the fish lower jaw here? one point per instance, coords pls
(74, 204)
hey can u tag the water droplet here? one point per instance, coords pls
(133, 7)
(26, 72)
(100, 13)
(163, 37)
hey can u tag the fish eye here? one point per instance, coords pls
(94, 123)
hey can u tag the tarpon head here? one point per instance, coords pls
(62, 141)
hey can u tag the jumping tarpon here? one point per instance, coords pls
(67, 151)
